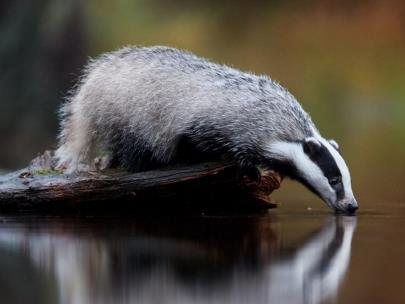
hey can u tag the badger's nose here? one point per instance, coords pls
(352, 206)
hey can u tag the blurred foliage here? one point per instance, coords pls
(342, 59)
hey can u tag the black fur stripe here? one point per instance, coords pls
(325, 161)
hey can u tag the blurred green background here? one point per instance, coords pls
(344, 60)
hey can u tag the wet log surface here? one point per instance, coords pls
(197, 188)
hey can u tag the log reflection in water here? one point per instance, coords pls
(199, 260)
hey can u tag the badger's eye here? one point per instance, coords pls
(334, 181)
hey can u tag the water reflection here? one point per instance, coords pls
(194, 260)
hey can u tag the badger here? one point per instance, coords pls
(152, 106)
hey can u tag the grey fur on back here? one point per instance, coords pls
(140, 101)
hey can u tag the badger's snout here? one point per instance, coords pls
(349, 206)
(352, 207)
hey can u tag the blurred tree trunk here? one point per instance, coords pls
(41, 49)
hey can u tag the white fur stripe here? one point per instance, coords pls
(306, 168)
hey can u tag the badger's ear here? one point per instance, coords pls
(311, 145)
(334, 144)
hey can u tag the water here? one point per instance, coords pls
(283, 256)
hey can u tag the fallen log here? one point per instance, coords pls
(201, 187)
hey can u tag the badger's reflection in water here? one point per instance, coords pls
(182, 260)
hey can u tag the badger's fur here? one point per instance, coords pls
(149, 106)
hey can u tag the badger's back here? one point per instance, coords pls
(139, 103)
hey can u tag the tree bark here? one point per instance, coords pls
(198, 188)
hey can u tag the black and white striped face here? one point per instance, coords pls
(317, 163)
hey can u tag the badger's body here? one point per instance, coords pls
(152, 105)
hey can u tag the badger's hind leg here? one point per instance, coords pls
(75, 142)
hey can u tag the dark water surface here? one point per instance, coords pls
(284, 256)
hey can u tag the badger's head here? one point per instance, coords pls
(318, 164)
